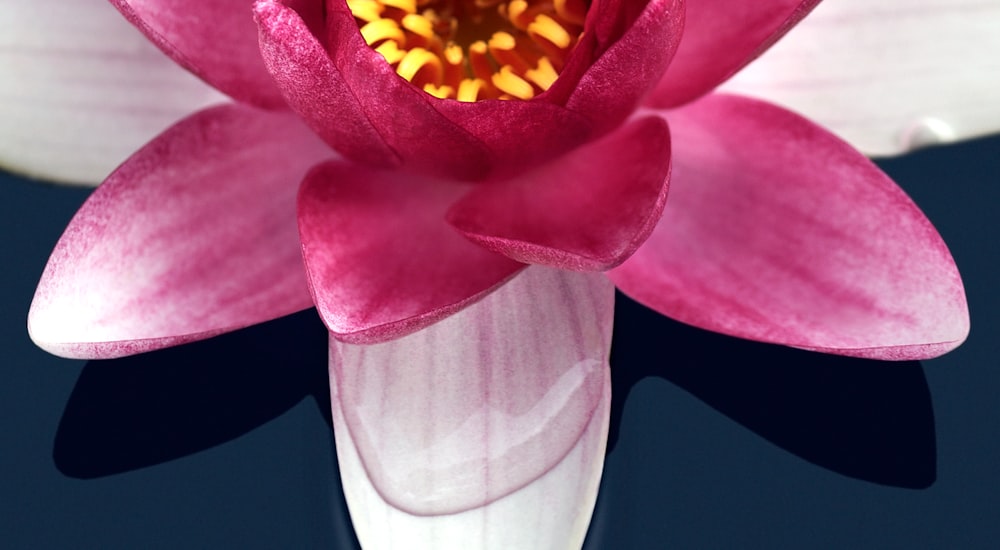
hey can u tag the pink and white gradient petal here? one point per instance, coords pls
(193, 236)
(888, 76)
(82, 90)
(486, 430)
(779, 232)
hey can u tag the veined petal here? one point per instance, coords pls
(380, 258)
(888, 76)
(777, 231)
(82, 90)
(588, 210)
(484, 431)
(720, 37)
(214, 39)
(192, 236)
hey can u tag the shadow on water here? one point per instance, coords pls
(147, 409)
(865, 419)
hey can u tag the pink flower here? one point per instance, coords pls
(470, 392)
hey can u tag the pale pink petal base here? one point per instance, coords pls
(82, 90)
(194, 235)
(777, 231)
(888, 76)
(486, 430)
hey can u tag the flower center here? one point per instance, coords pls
(471, 50)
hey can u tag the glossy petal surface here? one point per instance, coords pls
(381, 260)
(588, 210)
(82, 89)
(214, 39)
(486, 430)
(194, 235)
(777, 231)
(720, 37)
(888, 76)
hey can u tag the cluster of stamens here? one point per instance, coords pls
(473, 49)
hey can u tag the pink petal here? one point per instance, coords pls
(192, 236)
(934, 80)
(777, 231)
(720, 37)
(214, 39)
(381, 260)
(519, 135)
(588, 210)
(486, 430)
(82, 89)
(624, 74)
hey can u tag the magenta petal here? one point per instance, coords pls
(618, 80)
(356, 101)
(588, 210)
(720, 37)
(471, 411)
(192, 236)
(381, 260)
(214, 39)
(777, 231)
(518, 134)
(315, 88)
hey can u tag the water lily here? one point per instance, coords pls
(470, 391)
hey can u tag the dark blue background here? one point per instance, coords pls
(717, 442)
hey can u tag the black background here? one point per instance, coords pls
(716, 442)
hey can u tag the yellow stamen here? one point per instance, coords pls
(470, 88)
(543, 75)
(503, 48)
(571, 11)
(508, 82)
(480, 65)
(391, 52)
(515, 11)
(409, 6)
(419, 25)
(547, 28)
(440, 92)
(453, 54)
(474, 50)
(366, 10)
(383, 29)
(417, 59)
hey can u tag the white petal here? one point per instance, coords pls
(486, 430)
(82, 89)
(888, 76)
